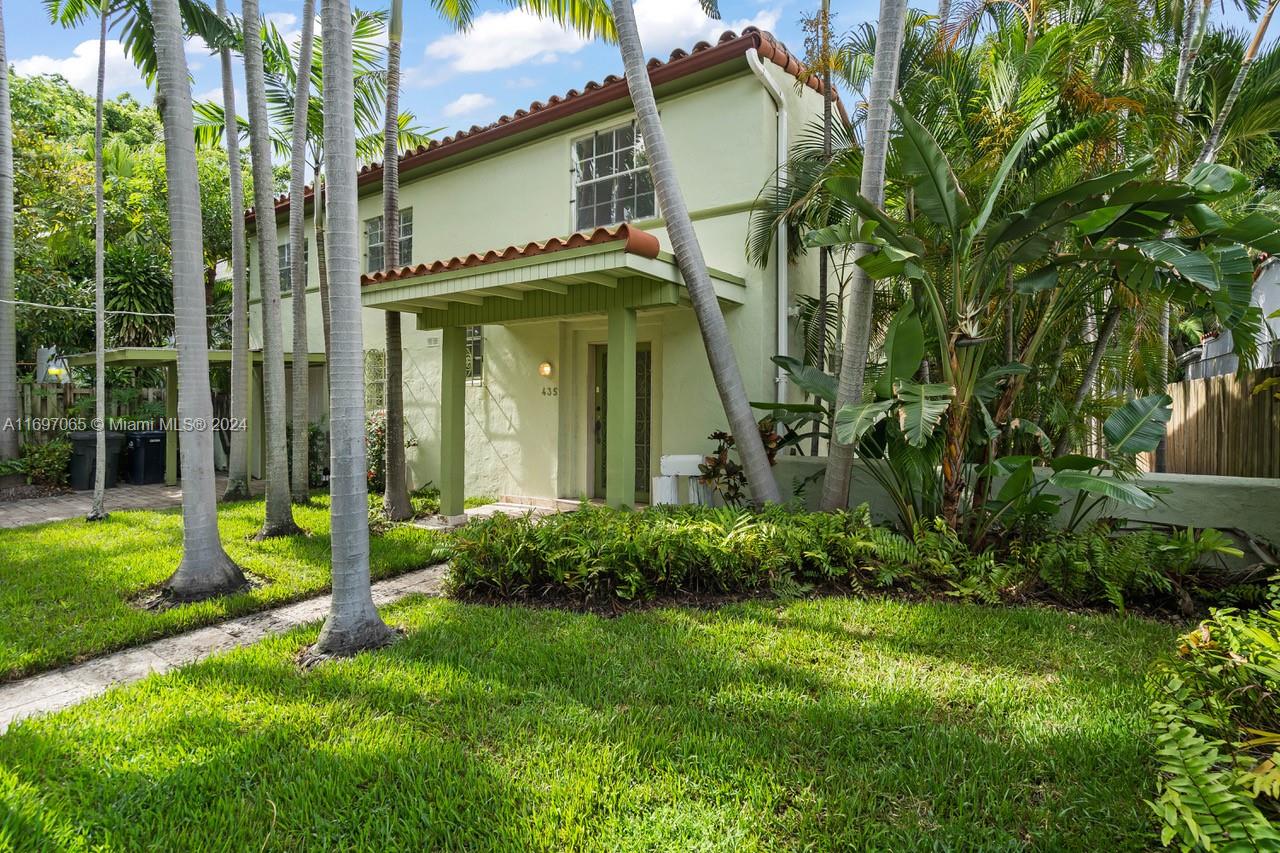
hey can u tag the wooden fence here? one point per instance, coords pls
(56, 402)
(1219, 426)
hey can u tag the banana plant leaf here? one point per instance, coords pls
(808, 378)
(989, 384)
(1215, 181)
(1138, 426)
(937, 192)
(1116, 490)
(853, 422)
(1256, 231)
(920, 409)
(1076, 462)
(1032, 429)
(903, 348)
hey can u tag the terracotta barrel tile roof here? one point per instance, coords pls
(634, 241)
(679, 64)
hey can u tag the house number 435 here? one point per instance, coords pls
(551, 391)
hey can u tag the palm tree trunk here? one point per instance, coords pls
(853, 364)
(300, 476)
(1105, 334)
(395, 499)
(1193, 27)
(1214, 141)
(824, 254)
(238, 459)
(322, 260)
(693, 267)
(8, 311)
(205, 570)
(97, 512)
(353, 622)
(279, 516)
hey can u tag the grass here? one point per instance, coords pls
(66, 587)
(823, 724)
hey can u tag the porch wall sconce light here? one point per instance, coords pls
(544, 370)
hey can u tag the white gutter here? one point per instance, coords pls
(780, 263)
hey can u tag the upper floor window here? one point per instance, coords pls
(611, 182)
(285, 263)
(377, 251)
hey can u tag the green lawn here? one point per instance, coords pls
(825, 724)
(66, 587)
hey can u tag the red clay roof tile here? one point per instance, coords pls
(678, 64)
(635, 241)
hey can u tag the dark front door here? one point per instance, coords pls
(599, 408)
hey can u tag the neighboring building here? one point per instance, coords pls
(1216, 355)
(529, 322)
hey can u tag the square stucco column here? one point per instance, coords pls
(620, 418)
(453, 409)
(171, 433)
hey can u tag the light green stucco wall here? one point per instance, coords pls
(527, 436)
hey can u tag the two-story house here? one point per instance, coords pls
(545, 366)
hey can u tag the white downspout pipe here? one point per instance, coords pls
(780, 262)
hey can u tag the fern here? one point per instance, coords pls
(1201, 801)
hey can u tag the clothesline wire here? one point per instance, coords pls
(27, 304)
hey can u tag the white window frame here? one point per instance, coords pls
(284, 252)
(638, 171)
(406, 240)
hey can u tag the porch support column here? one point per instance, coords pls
(171, 418)
(620, 423)
(453, 403)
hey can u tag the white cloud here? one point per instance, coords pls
(282, 20)
(81, 68)
(668, 24)
(467, 104)
(499, 40)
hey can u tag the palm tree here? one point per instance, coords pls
(300, 485)
(353, 622)
(238, 458)
(884, 78)
(205, 570)
(98, 512)
(281, 73)
(67, 16)
(8, 312)
(1214, 141)
(279, 512)
(692, 264)
(395, 499)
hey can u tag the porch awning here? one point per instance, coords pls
(586, 273)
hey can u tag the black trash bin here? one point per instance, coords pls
(84, 447)
(144, 459)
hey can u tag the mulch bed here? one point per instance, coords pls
(24, 492)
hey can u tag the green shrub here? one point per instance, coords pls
(1216, 716)
(375, 448)
(42, 464)
(598, 553)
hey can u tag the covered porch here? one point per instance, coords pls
(615, 273)
(166, 358)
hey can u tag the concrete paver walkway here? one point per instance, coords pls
(51, 691)
(77, 504)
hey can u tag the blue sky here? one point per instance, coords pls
(451, 80)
